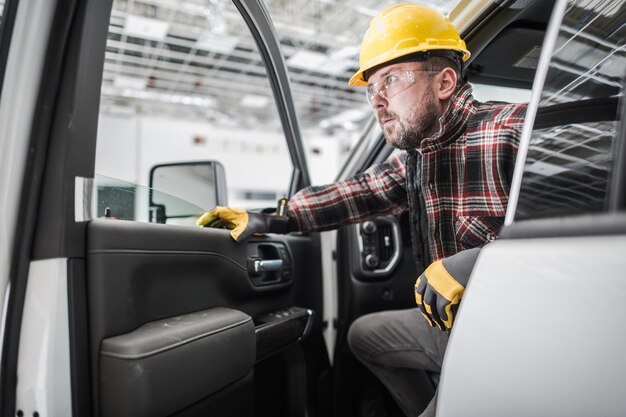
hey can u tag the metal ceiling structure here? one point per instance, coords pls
(196, 59)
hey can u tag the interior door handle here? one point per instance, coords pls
(267, 265)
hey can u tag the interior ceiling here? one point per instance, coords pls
(195, 58)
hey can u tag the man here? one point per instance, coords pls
(453, 177)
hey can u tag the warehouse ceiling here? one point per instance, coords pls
(196, 59)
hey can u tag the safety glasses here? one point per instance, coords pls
(394, 83)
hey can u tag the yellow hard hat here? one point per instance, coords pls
(404, 29)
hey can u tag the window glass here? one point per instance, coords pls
(121, 200)
(183, 81)
(570, 157)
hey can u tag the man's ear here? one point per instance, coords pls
(447, 83)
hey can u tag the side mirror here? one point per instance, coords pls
(178, 189)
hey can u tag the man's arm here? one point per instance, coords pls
(379, 190)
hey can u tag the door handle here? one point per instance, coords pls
(267, 265)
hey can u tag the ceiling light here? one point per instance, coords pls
(222, 44)
(337, 66)
(254, 101)
(143, 27)
(197, 101)
(347, 52)
(336, 63)
(135, 83)
(366, 11)
(348, 119)
(307, 60)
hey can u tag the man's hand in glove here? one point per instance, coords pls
(438, 291)
(244, 224)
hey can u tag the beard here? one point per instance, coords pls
(408, 134)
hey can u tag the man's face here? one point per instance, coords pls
(406, 109)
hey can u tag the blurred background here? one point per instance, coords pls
(190, 71)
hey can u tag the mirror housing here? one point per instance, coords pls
(178, 189)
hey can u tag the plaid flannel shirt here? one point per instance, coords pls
(460, 177)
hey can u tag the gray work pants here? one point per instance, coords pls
(398, 346)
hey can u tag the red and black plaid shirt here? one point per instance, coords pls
(460, 177)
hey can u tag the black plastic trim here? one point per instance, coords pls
(358, 256)
(277, 330)
(79, 338)
(496, 19)
(582, 111)
(72, 136)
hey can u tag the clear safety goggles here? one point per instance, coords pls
(393, 84)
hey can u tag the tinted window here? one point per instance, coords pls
(570, 156)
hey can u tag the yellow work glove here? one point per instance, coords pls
(438, 291)
(244, 224)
